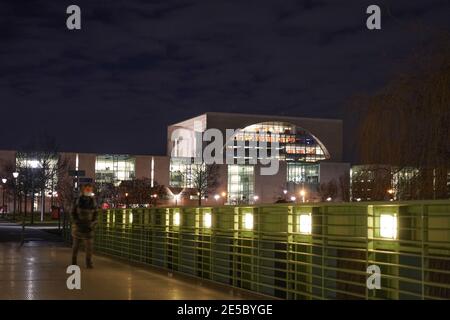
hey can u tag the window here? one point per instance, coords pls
(114, 168)
(241, 181)
(303, 173)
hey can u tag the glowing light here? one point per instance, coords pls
(285, 191)
(4, 180)
(130, 218)
(293, 198)
(305, 223)
(224, 194)
(207, 220)
(255, 198)
(388, 226)
(176, 219)
(216, 197)
(329, 199)
(15, 175)
(248, 221)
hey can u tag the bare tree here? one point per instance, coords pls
(328, 190)
(141, 191)
(204, 179)
(407, 124)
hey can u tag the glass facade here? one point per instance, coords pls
(241, 183)
(180, 173)
(294, 144)
(29, 164)
(300, 173)
(114, 168)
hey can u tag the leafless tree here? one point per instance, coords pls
(407, 124)
(204, 179)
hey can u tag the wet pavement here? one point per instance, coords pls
(38, 271)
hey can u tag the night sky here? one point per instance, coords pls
(137, 66)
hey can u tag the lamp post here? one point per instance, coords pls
(224, 196)
(391, 194)
(15, 176)
(303, 194)
(4, 180)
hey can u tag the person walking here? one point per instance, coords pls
(84, 220)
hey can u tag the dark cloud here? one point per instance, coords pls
(137, 66)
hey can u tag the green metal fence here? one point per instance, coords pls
(312, 251)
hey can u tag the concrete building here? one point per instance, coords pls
(98, 168)
(309, 154)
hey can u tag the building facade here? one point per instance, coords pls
(309, 153)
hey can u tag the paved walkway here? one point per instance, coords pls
(38, 271)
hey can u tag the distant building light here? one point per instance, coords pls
(305, 223)
(329, 199)
(388, 226)
(293, 198)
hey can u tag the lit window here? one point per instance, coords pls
(305, 223)
(248, 221)
(388, 226)
(207, 220)
(176, 219)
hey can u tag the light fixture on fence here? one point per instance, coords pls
(207, 220)
(248, 221)
(388, 226)
(305, 223)
(176, 219)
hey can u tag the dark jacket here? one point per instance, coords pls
(84, 217)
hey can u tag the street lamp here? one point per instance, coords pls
(255, 198)
(4, 180)
(391, 194)
(15, 176)
(217, 197)
(303, 194)
(293, 199)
